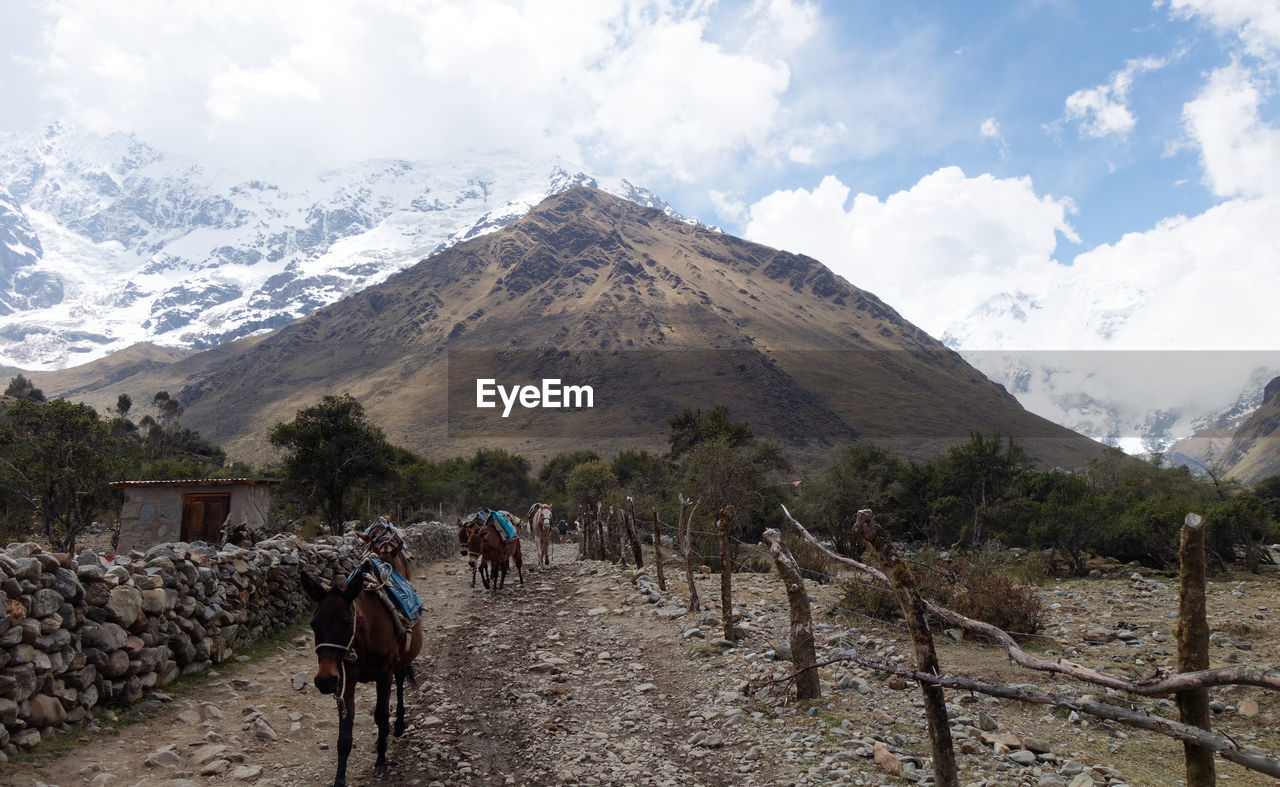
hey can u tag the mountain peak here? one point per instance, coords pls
(136, 245)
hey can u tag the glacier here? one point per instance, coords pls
(106, 241)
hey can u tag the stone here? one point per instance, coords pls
(300, 681)
(646, 687)
(1247, 708)
(262, 730)
(45, 602)
(207, 753)
(1023, 757)
(246, 773)
(189, 716)
(164, 757)
(45, 711)
(124, 605)
(1081, 780)
(887, 760)
(215, 768)
(1037, 745)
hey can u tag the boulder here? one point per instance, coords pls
(124, 605)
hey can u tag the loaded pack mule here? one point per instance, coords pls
(356, 642)
(495, 556)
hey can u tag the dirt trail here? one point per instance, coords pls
(532, 685)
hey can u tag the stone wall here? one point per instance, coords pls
(82, 631)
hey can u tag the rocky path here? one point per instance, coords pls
(582, 676)
(540, 684)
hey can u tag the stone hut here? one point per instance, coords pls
(155, 512)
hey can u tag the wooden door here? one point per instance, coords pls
(202, 517)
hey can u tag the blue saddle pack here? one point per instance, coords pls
(397, 587)
(500, 517)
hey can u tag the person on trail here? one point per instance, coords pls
(564, 529)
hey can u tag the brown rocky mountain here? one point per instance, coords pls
(655, 314)
(1254, 450)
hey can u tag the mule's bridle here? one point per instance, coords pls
(349, 656)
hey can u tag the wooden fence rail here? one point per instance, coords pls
(1190, 686)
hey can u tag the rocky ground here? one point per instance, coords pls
(589, 675)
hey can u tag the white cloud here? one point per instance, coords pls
(990, 129)
(643, 85)
(729, 207)
(933, 251)
(1240, 153)
(1255, 22)
(1103, 110)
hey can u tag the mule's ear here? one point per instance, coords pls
(353, 588)
(313, 588)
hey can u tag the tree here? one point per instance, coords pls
(555, 473)
(862, 476)
(59, 458)
(168, 409)
(124, 403)
(978, 473)
(1064, 514)
(22, 388)
(691, 427)
(331, 448)
(590, 483)
(1240, 528)
(500, 478)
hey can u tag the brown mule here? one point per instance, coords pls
(356, 643)
(496, 553)
(471, 551)
(384, 541)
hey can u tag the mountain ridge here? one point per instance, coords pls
(106, 242)
(664, 313)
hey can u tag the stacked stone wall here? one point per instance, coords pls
(80, 632)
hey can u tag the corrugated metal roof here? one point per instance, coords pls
(197, 482)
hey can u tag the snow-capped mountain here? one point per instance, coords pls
(106, 241)
(1142, 401)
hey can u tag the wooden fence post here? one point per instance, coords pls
(1193, 648)
(657, 552)
(686, 547)
(724, 519)
(619, 519)
(803, 652)
(935, 702)
(601, 546)
(637, 552)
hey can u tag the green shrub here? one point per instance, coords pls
(975, 590)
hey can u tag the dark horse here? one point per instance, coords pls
(356, 643)
(496, 554)
(465, 530)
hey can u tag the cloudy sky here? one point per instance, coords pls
(1108, 172)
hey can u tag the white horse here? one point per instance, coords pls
(539, 519)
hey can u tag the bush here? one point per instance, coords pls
(814, 565)
(974, 590)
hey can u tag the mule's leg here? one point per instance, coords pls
(382, 716)
(519, 564)
(344, 732)
(399, 728)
